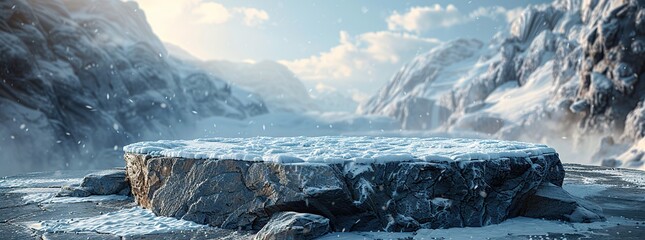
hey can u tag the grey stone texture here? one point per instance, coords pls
(394, 196)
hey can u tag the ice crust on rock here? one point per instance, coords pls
(333, 149)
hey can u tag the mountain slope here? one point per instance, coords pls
(568, 73)
(81, 78)
(272, 81)
(414, 94)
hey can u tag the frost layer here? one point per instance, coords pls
(332, 149)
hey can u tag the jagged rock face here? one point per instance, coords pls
(78, 79)
(568, 69)
(396, 196)
(613, 52)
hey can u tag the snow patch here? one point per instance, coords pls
(636, 178)
(48, 195)
(354, 169)
(35, 182)
(313, 191)
(633, 157)
(37, 197)
(93, 198)
(126, 222)
(366, 189)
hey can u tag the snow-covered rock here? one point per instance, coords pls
(79, 79)
(358, 183)
(106, 182)
(634, 156)
(567, 70)
(554, 203)
(635, 123)
(293, 225)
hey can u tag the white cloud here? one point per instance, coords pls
(201, 12)
(253, 16)
(497, 12)
(419, 19)
(368, 59)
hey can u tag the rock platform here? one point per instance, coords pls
(358, 183)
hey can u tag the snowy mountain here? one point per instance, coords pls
(414, 94)
(180, 53)
(272, 81)
(569, 73)
(80, 79)
(330, 99)
(275, 83)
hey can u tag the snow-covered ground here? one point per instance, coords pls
(125, 222)
(37, 182)
(48, 195)
(619, 191)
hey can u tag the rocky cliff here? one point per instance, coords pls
(79, 79)
(569, 70)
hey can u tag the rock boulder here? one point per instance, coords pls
(105, 182)
(554, 203)
(395, 184)
(294, 226)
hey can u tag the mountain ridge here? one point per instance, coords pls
(565, 73)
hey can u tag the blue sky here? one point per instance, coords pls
(352, 45)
